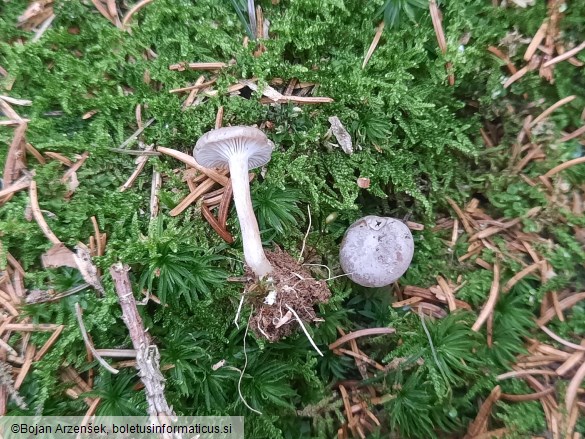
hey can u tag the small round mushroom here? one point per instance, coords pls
(376, 251)
(240, 149)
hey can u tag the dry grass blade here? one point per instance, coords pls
(492, 299)
(373, 46)
(480, 420)
(566, 55)
(133, 10)
(360, 333)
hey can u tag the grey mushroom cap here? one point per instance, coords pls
(214, 148)
(376, 251)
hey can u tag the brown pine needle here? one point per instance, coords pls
(550, 109)
(192, 197)
(573, 387)
(492, 299)
(578, 132)
(567, 302)
(133, 11)
(568, 54)
(219, 118)
(75, 166)
(564, 166)
(521, 275)
(561, 340)
(360, 333)
(374, 44)
(189, 160)
(102, 10)
(524, 372)
(38, 216)
(49, 343)
(476, 426)
(438, 26)
(88, 343)
(536, 40)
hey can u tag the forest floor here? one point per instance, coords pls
(465, 121)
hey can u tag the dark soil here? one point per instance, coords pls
(294, 287)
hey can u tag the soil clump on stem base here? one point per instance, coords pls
(294, 286)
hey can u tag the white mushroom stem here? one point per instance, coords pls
(253, 251)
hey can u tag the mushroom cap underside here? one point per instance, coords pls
(376, 251)
(215, 148)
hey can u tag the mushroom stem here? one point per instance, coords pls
(253, 251)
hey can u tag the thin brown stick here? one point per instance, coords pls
(59, 157)
(140, 165)
(28, 360)
(188, 160)
(448, 293)
(438, 26)
(360, 333)
(75, 166)
(492, 299)
(38, 216)
(15, 187)
(224, 205)
(567, 302)
(372, 48)
(464, 219)
(133, 11)
(568, 54)
(147, 357)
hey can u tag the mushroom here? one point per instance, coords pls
(376, 251)
(240, 149)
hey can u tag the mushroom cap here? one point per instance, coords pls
(376, 251)
(214, 148)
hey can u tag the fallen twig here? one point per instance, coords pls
(147, 355)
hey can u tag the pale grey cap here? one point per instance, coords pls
(214, 148)
(376, 251)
